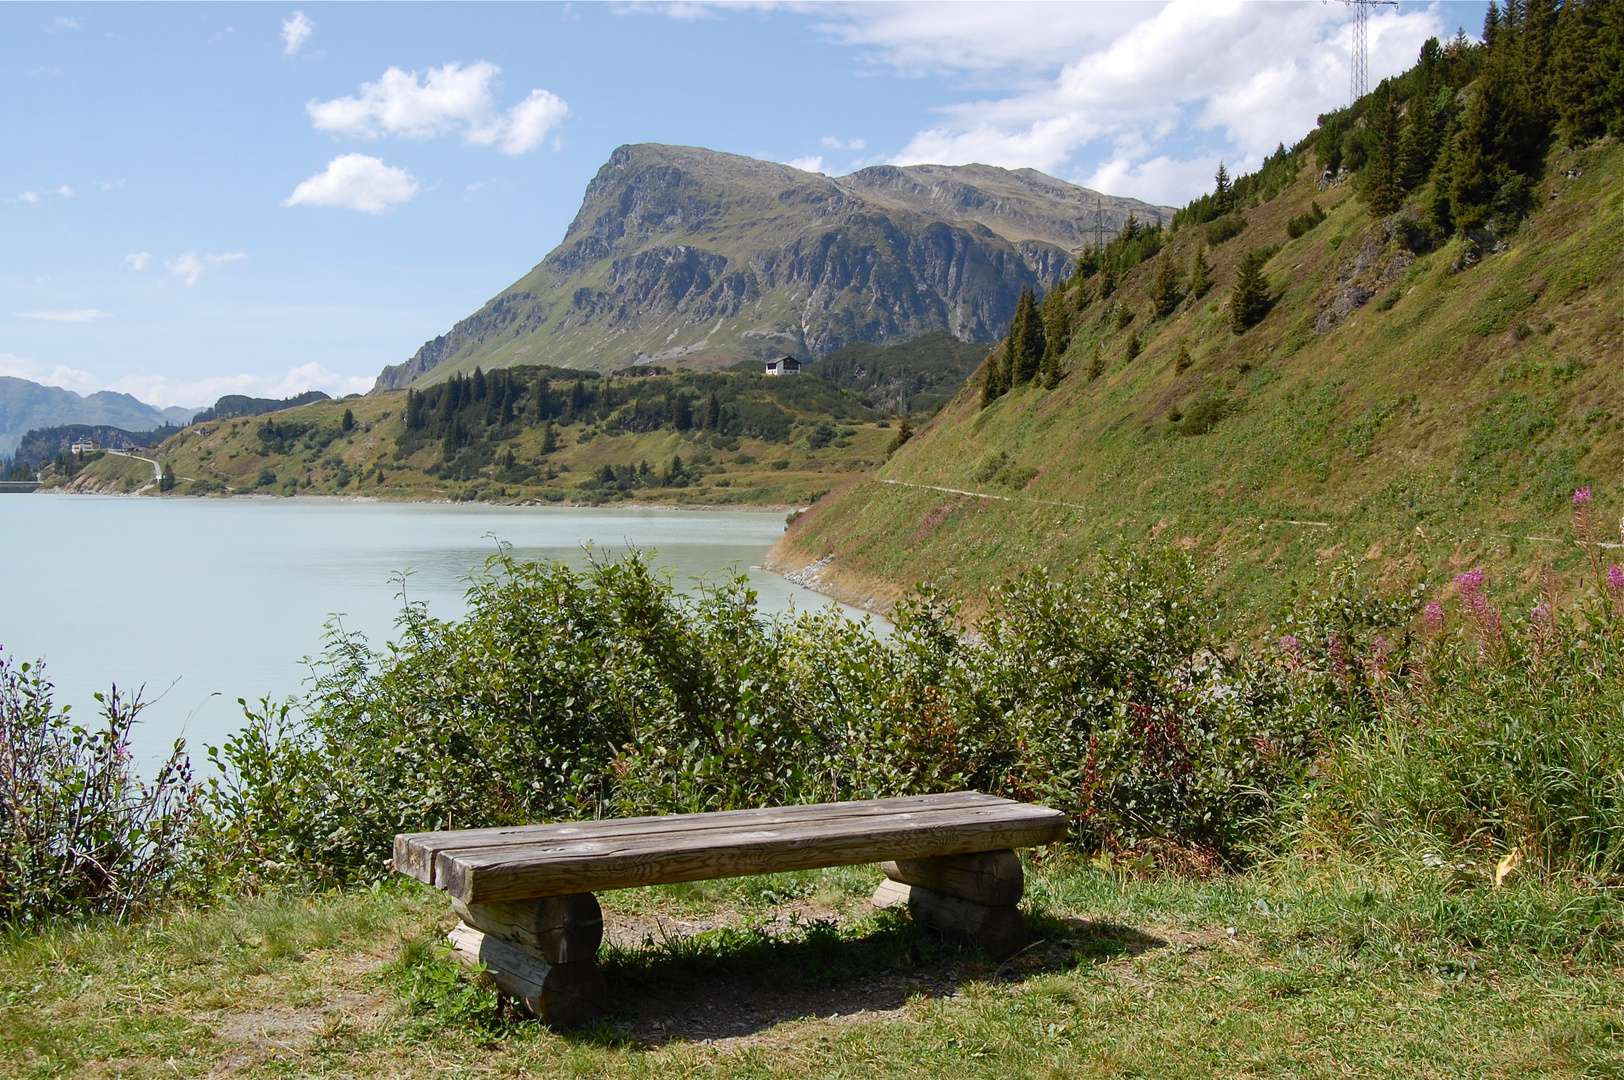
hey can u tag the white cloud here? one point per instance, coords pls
(109, 185)
(65, 191)
(1147, 95)
(28, 197)
(137, 261)
(296, 30)
(74, 315)
(62, 22)
(529, 121)
(832, 143)
(358, 182)
(190, 266)
(958, 37)
(162, 391)
(444, 100)
(21, 367)
(807, 164)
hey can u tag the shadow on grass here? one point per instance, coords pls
(739, 981)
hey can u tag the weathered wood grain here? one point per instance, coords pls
(518, 871)
(562, 929)
(987, 877)
(415, 853)
(998, 929)
(561, 995)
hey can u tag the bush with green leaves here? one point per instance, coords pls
(566, 694)
(80, 834)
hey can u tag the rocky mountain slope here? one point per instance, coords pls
(688, 256)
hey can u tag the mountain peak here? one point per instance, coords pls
(685, 255)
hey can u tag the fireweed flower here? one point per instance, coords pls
(1433, 613)
(1581, 496)
(1615, 578)
(1289, 643)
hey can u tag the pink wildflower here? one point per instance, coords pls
(1581, 496)
(1433, 613)
(1471, 581)
(1615, 578)
(1289, 643)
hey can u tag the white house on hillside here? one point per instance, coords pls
(784, 365)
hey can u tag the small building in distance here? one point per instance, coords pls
(784, 365)
(85, 446)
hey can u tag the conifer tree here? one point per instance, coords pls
(1057, 336)
(1200, 274)
(1222, 190)
(1164, 290)
(1107, 281)
(1026, 340)
(1181, 362)
(1096, 364)
(1440, 209)
(1381, 180)
(995, 383)
(1132, 350)
(1249, 301)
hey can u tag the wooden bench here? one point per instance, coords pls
(524, 894)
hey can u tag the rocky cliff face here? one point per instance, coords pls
(688, 256)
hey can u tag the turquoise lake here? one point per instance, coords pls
(200, 602)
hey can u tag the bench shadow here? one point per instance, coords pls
(733, 983)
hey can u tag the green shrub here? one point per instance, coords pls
(1305, 222)
(568, 695)
(1225, 228)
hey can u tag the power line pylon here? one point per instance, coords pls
(1359, 76)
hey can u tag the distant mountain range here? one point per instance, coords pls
(701, 259)
(26, 405)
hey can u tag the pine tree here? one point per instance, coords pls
(1181, 362)
(1164, 290)
(1440, 210)
(1026, 340)
(347, 423)
(1107, 282)
(1200, 274)
(1249, 301)
(549, 438)
(1096, 364)
(1417, 145)
(1222, 190)
(1132, 350)
(1056, 326)
(1381, 179)
(995, 382)
(166, 480)
(1586, 81)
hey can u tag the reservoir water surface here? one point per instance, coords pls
(204, 601)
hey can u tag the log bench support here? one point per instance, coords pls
(538, 952)
(971, 896)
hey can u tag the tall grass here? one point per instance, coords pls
(79, 833)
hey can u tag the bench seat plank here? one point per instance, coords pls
(414, 853)
(485, 865)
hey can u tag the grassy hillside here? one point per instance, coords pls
(528, 438)
(1444, 421)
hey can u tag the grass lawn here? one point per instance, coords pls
(1292, 972)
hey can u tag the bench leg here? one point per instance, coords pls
(539, 952)
(973, 896)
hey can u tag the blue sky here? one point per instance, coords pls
(198, 199)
